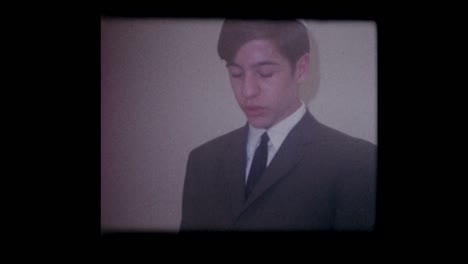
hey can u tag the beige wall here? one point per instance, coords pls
(164, 91)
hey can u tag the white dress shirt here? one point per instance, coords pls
(276, 133)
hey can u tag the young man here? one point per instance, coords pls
(283, 170)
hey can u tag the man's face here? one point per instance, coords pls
(264, 83)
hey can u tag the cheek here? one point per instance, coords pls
(278, 88)
(237, 92)
(236, 84)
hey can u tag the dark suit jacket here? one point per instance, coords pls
(320, 179)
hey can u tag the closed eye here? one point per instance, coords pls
(266, 70)
(236, 75)
(235, 71)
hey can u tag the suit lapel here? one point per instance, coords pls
(234, 169)
(287, 157)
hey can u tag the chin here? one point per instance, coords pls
(259, 123)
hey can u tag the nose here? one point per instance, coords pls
(250, 86)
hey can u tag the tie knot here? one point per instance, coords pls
(264, 139)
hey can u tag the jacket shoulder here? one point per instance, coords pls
(221, 143)
(342, 143)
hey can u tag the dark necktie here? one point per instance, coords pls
(258, 164)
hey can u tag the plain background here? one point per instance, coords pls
(164, 91)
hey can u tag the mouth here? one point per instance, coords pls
(254, 111)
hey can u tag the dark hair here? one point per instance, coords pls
(290, 36)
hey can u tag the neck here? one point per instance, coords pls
(291, 109)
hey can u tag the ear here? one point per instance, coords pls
(302, 68)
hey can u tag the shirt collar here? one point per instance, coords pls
(278, 132)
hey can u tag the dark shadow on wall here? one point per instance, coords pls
(309, 89)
